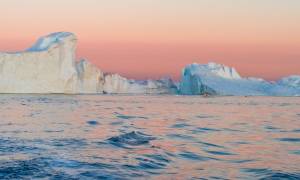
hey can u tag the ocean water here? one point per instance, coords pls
(149, 137)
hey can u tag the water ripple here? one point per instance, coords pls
(133, 138)
(122, 116)
(93, 122)
(148, 137)
(220, 153)
(272, 174)
(289, 139)
(195, 157)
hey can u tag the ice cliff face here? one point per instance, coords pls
(49, 66)
(214, 69)
(217, 79)
(290, 81)
(115, 83)
(44, 68)
(90, 78)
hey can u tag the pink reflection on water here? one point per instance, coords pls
(226, 130)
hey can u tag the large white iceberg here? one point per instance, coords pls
(49, 66)
(218, 79)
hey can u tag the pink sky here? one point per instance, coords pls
(153, 38)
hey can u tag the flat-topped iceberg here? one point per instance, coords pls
(217, 79)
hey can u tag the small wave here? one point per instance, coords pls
(133, 139)
(204, 116)
(222, 153)
(195, 157)
(271, 174)
(297, 152)
(296, 130)
(205, 130)
(147, 163)
(289, 139)
(232, 130)
(274, 129)
(116, 123)
(180, 125)
(54, 168)
(99, 175)
(13, 146)
(242, 161)
(210, 144)
(181, 136)
(271, 127)
(122, 116)
(67, 143)
(159, 157)
(53, 131)
(240, 142)
(285, 104)
(93, 122)
(24, 169)
(217, 178)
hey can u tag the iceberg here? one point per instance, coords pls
(218, 79)
(290, 81)
(46, 67)
(115, 83)
(50, 66)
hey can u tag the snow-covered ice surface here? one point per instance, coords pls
(219, 79)
(45, 42)
(149, 137)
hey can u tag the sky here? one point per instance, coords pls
(155, 38)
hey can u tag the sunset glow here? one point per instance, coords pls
(151, 38)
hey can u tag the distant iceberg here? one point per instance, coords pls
(218, 79)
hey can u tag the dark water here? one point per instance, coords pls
(149, 137)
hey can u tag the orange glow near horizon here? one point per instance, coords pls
(151, 38)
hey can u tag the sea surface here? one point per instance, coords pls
(149, 137)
